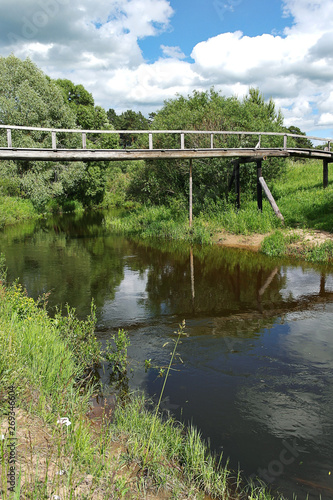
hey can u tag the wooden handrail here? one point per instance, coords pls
(180, 132)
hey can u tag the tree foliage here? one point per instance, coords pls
(128, 120)
(201, 111)
(30, 98)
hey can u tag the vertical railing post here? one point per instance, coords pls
(191, 196)
(325, 173)
(182, 141)
(84, 140)
(54, 140)
(259, 188)
(151, 141)
(285, 138)
(211, 141)
(9, 138)
(237, 184)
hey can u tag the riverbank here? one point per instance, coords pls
(60, 449)
(15, 209)
(307, 232)
(307, 208)
(315, 245)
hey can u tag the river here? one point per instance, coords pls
(254, 372)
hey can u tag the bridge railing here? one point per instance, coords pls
(212, 135)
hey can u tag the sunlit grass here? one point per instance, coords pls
(301, 197)
(15, 209)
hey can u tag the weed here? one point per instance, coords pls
(116, 353)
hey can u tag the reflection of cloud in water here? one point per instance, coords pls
(311, 338)
(285, 415)
(301, 282)
(128, 304)
(292, 397)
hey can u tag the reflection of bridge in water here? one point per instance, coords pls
(189, 142)
(305, 301)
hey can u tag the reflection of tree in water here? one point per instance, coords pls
(221, 282)
(69, 256)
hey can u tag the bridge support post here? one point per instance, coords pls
(325, 173)
(259, 187)
(237, 184)
(191, 196)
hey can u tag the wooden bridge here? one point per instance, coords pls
(241, 154)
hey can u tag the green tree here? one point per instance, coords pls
(299, 141)
(129, 120)
(28, 97)
(159, 180)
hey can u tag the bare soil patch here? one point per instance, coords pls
(253, 241)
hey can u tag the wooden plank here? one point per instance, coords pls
(237, 184)
(54, 141)
(132, 154)
(191, 195)
(9, 138)
(325, 173)
(215, 132)
(259, 188)
(271, 199)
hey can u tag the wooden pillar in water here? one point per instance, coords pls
(325, 173)
(259, 187)
(191, 196)
(237, 184)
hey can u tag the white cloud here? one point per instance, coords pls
(326, 119)
(174, 52)
(97, 44)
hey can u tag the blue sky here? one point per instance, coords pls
(196, 20)
(134, 54)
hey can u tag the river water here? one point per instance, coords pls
(255, 371)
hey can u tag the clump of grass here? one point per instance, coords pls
(15, 209)
(274, 245)
(282, 243)
(248, 219)
(159, 222)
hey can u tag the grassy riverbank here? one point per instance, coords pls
(307, 209)
(45, 363)
(14, 209)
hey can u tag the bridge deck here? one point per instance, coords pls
(146, 154)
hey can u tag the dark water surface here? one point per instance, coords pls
(256, 376)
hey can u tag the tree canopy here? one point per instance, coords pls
(28, 97)
(161, 180)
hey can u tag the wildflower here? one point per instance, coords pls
(64, 421)
(2, 437)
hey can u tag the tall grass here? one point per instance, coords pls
(172, 223)
(15, 209)
(301, 197)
